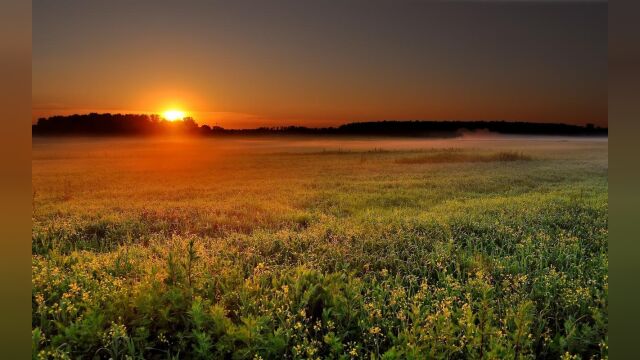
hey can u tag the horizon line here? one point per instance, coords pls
(335, 126)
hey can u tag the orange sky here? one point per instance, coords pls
(248, 64)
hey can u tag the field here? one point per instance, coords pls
(320, 248)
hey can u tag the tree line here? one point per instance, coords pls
(95, 124)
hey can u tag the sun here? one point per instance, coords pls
(173, 115)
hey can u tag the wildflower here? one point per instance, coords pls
(311, 350)
(162, 338)
(71, 308)
(330, 324)
(74, 288)
(603, 345)
(568, 356)
(424, 286)
(259, 268)
(374, 330)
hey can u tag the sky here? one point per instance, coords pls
(241, 64)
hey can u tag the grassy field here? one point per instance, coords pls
(313, 249)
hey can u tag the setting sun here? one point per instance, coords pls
(173, 115)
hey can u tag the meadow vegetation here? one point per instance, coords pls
(456, 155)
(272, 249)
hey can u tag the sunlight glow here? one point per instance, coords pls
(173, 115)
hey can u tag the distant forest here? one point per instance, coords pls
(140, 124)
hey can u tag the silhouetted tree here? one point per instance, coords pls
(136, 124)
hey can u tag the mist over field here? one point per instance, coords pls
(474, 247)
(275, 144)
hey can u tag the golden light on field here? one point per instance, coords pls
(173, 115)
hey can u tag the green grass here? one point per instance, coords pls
(455, 155)
(237, 249)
